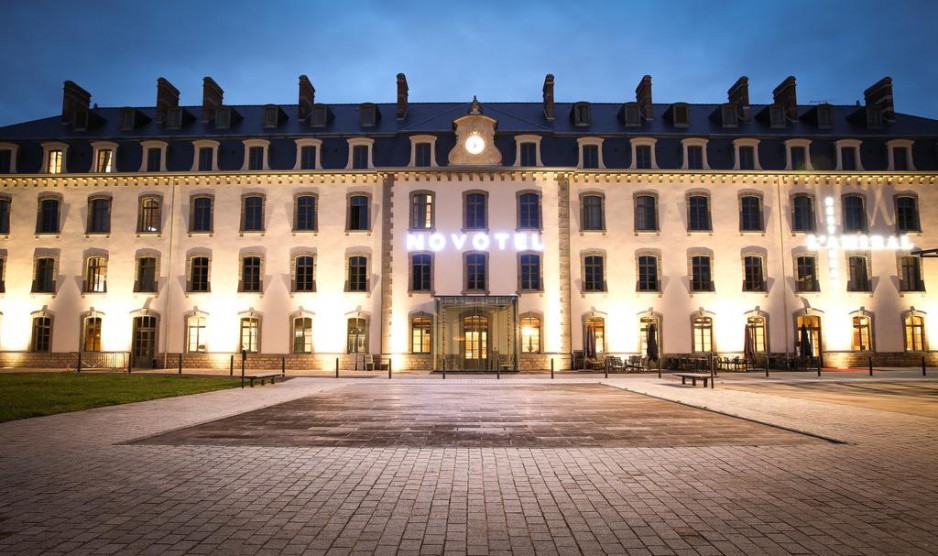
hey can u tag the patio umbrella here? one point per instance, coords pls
(590, 347)
(749, 345)
(652, 349)
(804, 342)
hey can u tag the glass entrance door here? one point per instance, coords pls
(144, 341)
(476, 342)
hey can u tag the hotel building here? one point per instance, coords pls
(467, 235)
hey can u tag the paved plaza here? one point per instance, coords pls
(473, 465)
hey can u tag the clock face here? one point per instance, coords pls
(475, 144)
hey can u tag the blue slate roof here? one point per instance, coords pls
(558, 146)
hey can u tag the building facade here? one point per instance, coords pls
(467, 235)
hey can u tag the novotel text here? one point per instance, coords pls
(478, 241)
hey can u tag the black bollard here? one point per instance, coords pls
(923, 365)
(130, 362)
(180, 363)
(337, 367)
(552, 368)
(870, 362)
(712, 374)
(283, 366)
(78, 369)
(444, 371)
(389, 368)
(606, 368)
(498, 371)
(231, 366)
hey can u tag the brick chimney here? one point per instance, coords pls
(167, 98)
(738, 95)
(74, 100)
(784, 96)
(212, 98)
(402, 90)
(307, 98)
(548, 91)
(643, 97)
(880, 96)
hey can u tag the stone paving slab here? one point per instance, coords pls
(69, 485)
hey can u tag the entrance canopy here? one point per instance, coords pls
(477, 332)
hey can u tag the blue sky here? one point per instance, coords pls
(498, 50)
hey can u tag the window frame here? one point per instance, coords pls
(859, 277)
(421, 332)
(194, 263)
(909, 284)
(700, 275)
(54, 158)
(308, 282)
(94, 279)
(146, 146)
(139, 286)
(587, 211)
(196, 322)
(915, 226)
(531, 326)
(358, 213)
(352, 163)
(426, 272)
(747, 213)
(520, 155)
(195, 210)
(812, 217)
(895, 145)
(530, 272)
(422, 211)
(843, 145)
(250, 146)
(754, 273)
(527, 213)
(912, 330)
(96, 223)
(148, 214)
(790, 146)
(582, 143)
(251, 273)
(306, 337)
(198, 146)
(40, 339)
(415, 142)
(702, 334)
(694, 142)
(862, 332)
(317, 159)
(475, 272)
(253, 213)
(693, 213)
(44, 226)
(475, 210)
(806, 283)
(13, 152)
(297, 199)
(639, 144)
(593, 264)
(645, 283)
(99, 148)
(45, 273)
(738, 145)
(250, 324)
(851, 213)
(357, 263)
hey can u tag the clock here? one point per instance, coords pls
(475, 144)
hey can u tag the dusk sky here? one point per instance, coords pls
(498, 50)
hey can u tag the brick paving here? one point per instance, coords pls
(71, 484)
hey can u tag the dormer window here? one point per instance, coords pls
(255, 154)
(799, 154)
(319, 116)
(728, 112)
(154, 156)
(104, 156)
(824, 118)
(8, 158)
(174, 118)
(367, 115)
(848, 155)
(679, 115)
(591, 153)
(307, 154)
(422, 151)
(632, 116)
(874, 118)
(206, 155)
(695, 154)
(80, 122)
(643, 153)
(747, 154)
(54, 157)
(777, 116)
(900, 155)
(271, 117)
(527, 150)
(128, 119)
(223, 118)
(359, 157)
(582, 114)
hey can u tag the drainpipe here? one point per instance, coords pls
(169, 270)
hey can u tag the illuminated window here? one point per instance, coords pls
(146, 275)
(56, 159)
(750, 214)
(420, 338)
(594, 343)
(530, 272)
(806, 278)
(476, 272)
(251, 276)
(91, 334)
(304, 218)
(591, 213)
(356, 336)
(862, 336)
(149, 215)
(859, 280)
(250, 334)
(910, 274)
(357, 274)
(304, 273)
(47, 221)
(475, 215)
(201, 217)
(421, 211)
(854, 214)
(698, 213)
(755, 327)
(812, 329)
(41, 340)
(358, 217)
(99, 215)
(104, 162)
(914, 332)
(753, 274)
(44, 275)
(195, 334)
(594, 273)
(802, 214)
(529, 211)
(703, 334)
(701, 276)
(646, 213)
(530, 334)
(3, 267)
(648, 274)
(302, 335)
(199, 274)
(421, 272)
(907, 214)
(252, 214)
(645, 325)
(96, 275)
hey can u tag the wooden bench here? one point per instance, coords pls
(694, 377)
(272, 376)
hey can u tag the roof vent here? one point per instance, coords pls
(548, 91)
(738, 95)
(879, 99)
(307, 98)
(784, 96)
(643, 97)
(212, 98)
(75, 105)
(167, 97)
(402, 91)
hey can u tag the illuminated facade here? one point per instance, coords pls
(467, 235)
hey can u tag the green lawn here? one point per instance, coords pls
(32, 395)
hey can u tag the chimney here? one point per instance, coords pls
(784, 95)
(167, 98)
(212, 98)
(643, 97)
(74, 100)
(548, 91)
(307, 98)
(401, 96)
(880, 96)
(738, 95)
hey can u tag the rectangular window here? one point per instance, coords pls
(128, 119)
(647, 274)
(223, 118)
(698, 214)
(256, 158)
(753, 274)
(250, 334)
(252, 214)
(105, 161)
(304, 274)
(695, 157)
(646, 213)
(728, 113)
(750, 214)
(848, 158)
(907, 215)
(154, 156)
(900, 159)
(701, 276)
(914, 327)
(530, 335)
(44, 280)
(798, 158)
(476, 217)
(251, 275)
(806, 274)
(703, 334)
(420, 328)
(824, 119)
(776, 116)
(476, 272)
(530, 264)
(755, 326)
(206, 156)
(149, 219)
(91, 334)
(146, 275)
(303, 335)
(358, 213)
(421, 211)
(862, 334)
(3, 265)
(422, 155)
(201, 215)
(319, 117)
(305, 218)
(56, 158)
(6, 161)
(4, 215)
(747, 158)
(802, 214)
(421, 273)
(581, 114)
(529, 211)
(195, 334)
(528, 154)
(594, 274)
(360, 157)
(357, 274)
(96, 275)
(592, 218)
(854, 214)
(643, 157)
(99, 216)
(48, 220)
(910, 274)
(859, 276)
(198, 274)
(42, 335)
(271, 117)
(591, 156)
(308, 157)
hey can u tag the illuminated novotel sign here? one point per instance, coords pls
(478, 241)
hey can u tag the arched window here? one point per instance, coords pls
(530, 334)
(96, 275)
(914, 332)
(148, 215)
